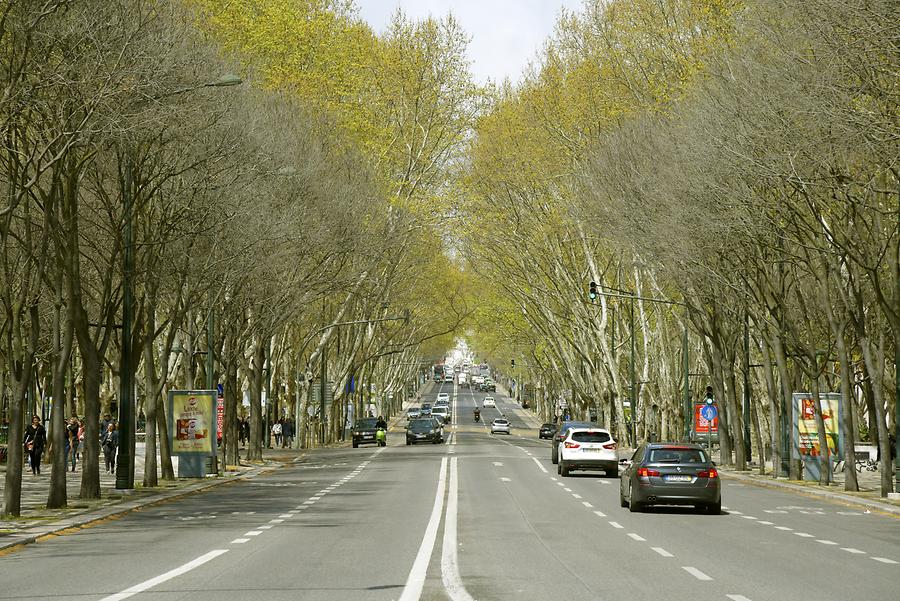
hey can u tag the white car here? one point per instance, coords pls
(501, 424)
(443, 396)
(488, 402)
(588, 449)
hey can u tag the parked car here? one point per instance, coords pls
(560, 434)
(488, 402)
(413, 413)
(588, 449)
(546, 430)
(363, 431)
(671, 474)
(423, 430)
(501, 424)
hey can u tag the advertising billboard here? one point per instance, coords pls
(192, 421)
(806, 434)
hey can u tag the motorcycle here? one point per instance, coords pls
(381, 437)
(477, 417)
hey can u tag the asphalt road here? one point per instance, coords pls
(481, 517)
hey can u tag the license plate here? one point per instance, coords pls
(595, 450)
(679, 478)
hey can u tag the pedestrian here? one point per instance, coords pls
(110, 445)
(35, 440)
(72, 441)
(80, 439)
(276, 432)
(104, 424)
(245, 431)
(287, 433)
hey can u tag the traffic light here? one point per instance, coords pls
(512, 363)
(709, 399)
(592, 292)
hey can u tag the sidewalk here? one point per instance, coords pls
(37, 521)
(868, 495)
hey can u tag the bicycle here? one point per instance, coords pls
(866, 464)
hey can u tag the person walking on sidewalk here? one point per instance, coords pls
(72, 441)
(35, 440)
(110, 444)
(276, 432)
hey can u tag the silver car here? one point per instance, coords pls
(671, 474)
(501, 424)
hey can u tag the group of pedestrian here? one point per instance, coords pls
(36, 441)
(283, 432)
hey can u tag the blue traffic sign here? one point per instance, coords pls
(709, 412)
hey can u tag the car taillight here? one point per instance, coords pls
(572, 445)
(646, 472)
(710, 473)
(611, 446)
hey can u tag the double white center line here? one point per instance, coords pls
(450, 575)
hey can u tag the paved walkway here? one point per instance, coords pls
(36, 520)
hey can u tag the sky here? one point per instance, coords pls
(506, 34)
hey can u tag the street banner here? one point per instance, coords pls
(701, 424)
(220, 416)
(191, 419)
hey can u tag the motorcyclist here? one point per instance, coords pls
(477, 414)
(380, 424)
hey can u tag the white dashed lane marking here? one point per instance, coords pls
(695, 573)
(637, 537)
(662, 551)
(884, 560)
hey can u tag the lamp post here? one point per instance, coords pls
(594, 291)
(323, 371)
(125, 459)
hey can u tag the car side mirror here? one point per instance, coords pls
(713, 463)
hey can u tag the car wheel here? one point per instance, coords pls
(563, 469)
(558, 468)
(407, 442)
(554, 455)
(355, 444)
(622, 501)
(613, 473)
(634, 506)
(714, 508)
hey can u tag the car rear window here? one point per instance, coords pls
(676, 455)
(590, 437)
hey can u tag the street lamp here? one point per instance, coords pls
(125, 459)
(323, 368)
(631, 296)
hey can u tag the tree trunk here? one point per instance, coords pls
(774, 406)
(63, 340)
(151, 402)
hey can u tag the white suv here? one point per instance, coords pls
(588, 449)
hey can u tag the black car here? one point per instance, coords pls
(547, 430)
(424, 430)
(671, 473)
(364, 431)
(560, 434)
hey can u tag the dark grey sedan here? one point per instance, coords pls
(671, 474)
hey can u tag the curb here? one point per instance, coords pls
(834, 496)
(77, 521)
